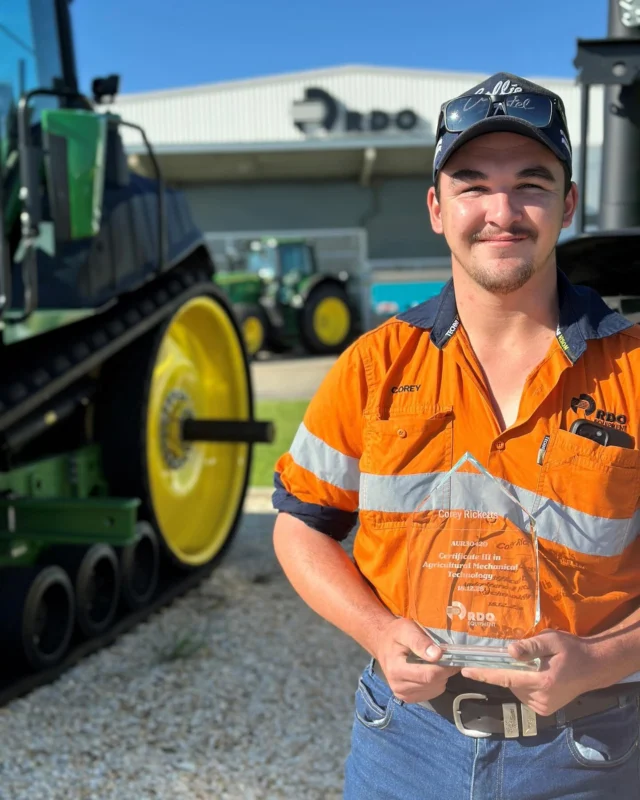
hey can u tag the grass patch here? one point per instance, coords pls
(186, 645)
(286, 415)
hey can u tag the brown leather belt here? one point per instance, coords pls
(478, 715)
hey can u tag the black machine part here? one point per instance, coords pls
(615, 64)
(620, 182)
(606, 259)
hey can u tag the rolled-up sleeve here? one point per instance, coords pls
(318, 479)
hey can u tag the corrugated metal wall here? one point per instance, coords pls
(393, 212)
(261, 110)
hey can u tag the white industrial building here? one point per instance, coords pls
(341, 156)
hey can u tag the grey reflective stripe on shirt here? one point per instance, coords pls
(328, 464)
(577, 530)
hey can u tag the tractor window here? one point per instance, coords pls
(262, 262)
(295, 258)
(29, 57)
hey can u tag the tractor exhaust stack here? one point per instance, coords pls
(620, 173)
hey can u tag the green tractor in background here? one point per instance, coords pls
(282, 300)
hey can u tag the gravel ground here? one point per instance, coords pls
(238, 690)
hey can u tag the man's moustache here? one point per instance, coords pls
(484, 235)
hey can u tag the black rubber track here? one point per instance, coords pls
(38, 369)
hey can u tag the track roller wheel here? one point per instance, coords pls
(97, 584)
(38, 615)
(193, 367)
(140, 568)
(95, 575)
(326, 320)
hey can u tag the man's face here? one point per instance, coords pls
(501, 209)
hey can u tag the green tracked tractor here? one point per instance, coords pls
(282, 299)
(126, 407)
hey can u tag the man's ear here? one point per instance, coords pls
(570, 205)
(435, 213)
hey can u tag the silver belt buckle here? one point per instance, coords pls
(457, 716)
(510, 716)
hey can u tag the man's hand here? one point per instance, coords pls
(411, 683)
(569, 668)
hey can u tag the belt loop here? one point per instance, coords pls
(561, 716)
(529, 721)
(510, 720)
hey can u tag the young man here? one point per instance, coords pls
(501, 365)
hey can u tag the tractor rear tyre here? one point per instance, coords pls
(255, 326)
(193, 365)
(326, 320)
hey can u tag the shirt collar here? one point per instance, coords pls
(583, 315)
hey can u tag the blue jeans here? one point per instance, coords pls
(402, 751)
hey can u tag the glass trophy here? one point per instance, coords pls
(472, 569)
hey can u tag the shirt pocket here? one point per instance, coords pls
(409, 444)
(400, 458)
(594, 480)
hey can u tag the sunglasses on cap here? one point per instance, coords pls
(461, 113)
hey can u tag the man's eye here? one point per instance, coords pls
(473, 189)
(531, 186)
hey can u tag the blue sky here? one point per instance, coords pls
(159, 44)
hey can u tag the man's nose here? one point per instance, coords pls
(501, 209)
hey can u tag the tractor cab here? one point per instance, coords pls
(284, 262)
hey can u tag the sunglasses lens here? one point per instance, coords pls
(533, 108)
(463, 112)
(466, 111)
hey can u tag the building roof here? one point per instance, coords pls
(273, 113)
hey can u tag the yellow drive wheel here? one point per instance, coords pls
(196, 487)
(193, 367)
(326, 319)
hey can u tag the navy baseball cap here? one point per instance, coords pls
(503, 102)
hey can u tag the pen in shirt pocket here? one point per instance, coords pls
(542, 449)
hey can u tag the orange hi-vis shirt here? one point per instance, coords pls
(407, 400)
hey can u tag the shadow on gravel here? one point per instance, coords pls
(252, 546)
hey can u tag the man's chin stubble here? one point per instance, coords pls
(502, 284)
